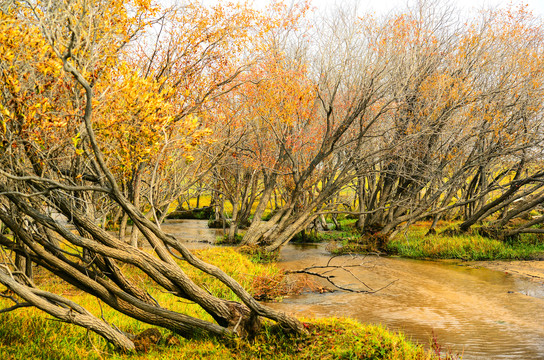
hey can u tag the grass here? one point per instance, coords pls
(333, 339)
(224, 240)
(414, 244)
(346, 232)
(259, 255)
(265, 281)
(28, 333)
(309, 237)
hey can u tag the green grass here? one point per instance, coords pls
(332, 338)
(224, 240)
(346, 232)
(414, 244)
(28, 333)
(346, 223)
(31, 327)
(259, 255)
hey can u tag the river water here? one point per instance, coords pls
(475, 312)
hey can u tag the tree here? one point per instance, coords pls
(65, 76)
(320, 134)
(421, 112)
(459, 116)
(191, 56)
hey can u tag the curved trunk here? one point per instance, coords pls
(107, 283)
(67, 311)
(259, 227)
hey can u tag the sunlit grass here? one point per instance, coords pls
(32, 336)
(28, 333)
(414, 243)
(257, 278)
(332, 338)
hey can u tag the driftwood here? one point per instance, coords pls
(323, 272)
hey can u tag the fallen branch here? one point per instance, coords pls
(330, 278)
(15, 307)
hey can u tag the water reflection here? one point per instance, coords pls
(192, 231)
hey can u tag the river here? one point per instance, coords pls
(476, 312)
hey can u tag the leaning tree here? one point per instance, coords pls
(66, 77)
(467, 109)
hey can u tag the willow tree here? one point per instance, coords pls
(469, 112)
(66, 73)
(421, 111)
(315, 117)
(189, 57)
(466, 109)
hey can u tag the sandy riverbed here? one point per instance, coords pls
(532, 270)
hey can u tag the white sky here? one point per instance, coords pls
(385, 6)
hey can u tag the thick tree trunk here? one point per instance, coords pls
(259, 227)
(104, 280)
(67, 311)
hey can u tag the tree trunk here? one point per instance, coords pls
(123, 226)
(67, 311)
(134, 196)
(258, 227)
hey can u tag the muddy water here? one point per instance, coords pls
(194, 232)
(479, 313)
(476, 312)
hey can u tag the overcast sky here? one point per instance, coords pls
(384, 6)
(470, 5)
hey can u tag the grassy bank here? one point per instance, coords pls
(415, 243)
(28, 333)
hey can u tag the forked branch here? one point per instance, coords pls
(323, 272)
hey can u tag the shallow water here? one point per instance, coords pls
(479, 313)
(192, 231)
(476, 312)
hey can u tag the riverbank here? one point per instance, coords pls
(28, 333)
(445, 243)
